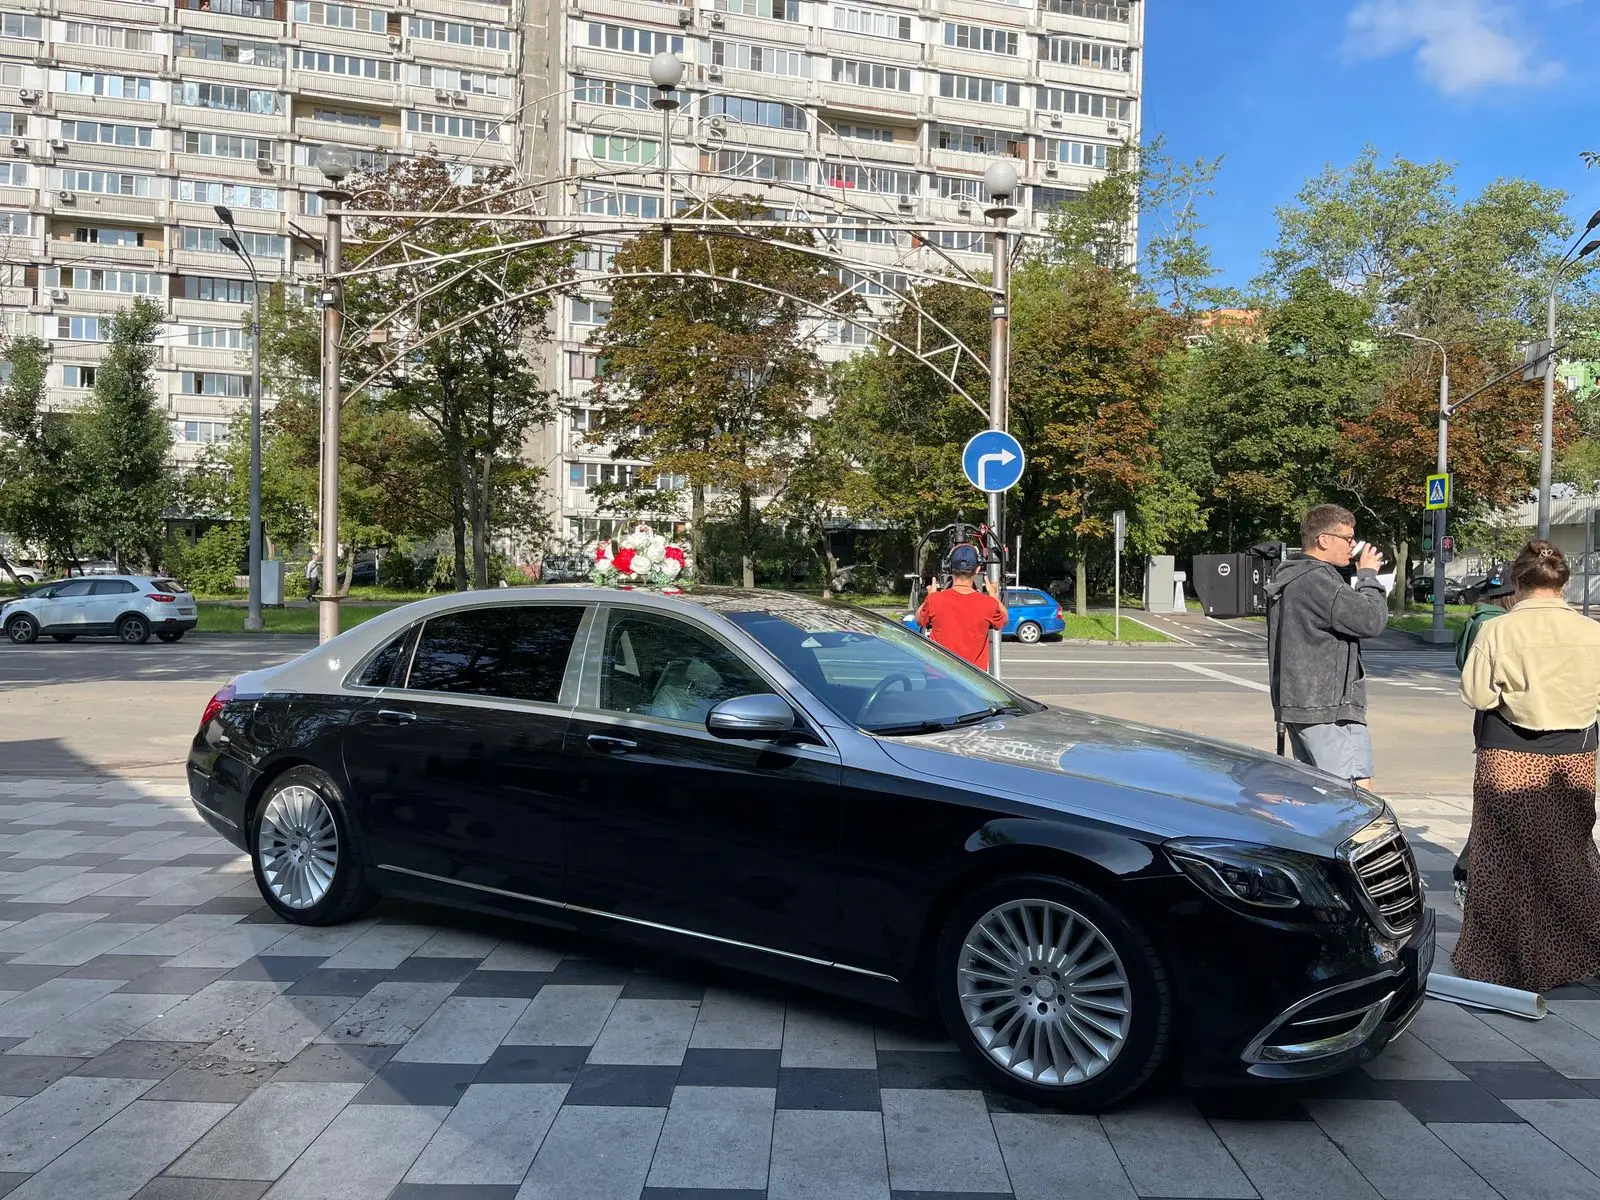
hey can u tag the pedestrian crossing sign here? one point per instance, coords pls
(1438, 493)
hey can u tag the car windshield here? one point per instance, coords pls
(874, 673)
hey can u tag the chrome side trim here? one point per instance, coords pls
(211, 812)
(596, 912)
(1260, 1049)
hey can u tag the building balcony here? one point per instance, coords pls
(311, 86)
(237, 170)
(75, 56)
(1012, 67)
(222, 120)
(608, 64)
(495, 62)
(343, 41)
(199, 358)
(60, 251)
(106, 108)
(866, 101)
(757, 84)
(122, 12)
(479, 12)
(996, 116)
(217, 20)
(839, 42)
(115, 210)
(82, 302)
(20, 197)
(384, 138)
(981, 12)
(753, 29)
(256, 220)
(21, 48)
(95, 154)
(901, 154)
(205, 70)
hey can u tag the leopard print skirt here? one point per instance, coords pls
(1532, 916)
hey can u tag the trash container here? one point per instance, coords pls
(272, 582)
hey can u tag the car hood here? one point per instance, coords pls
(1168, 783)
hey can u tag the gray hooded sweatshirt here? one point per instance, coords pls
(1316, 623)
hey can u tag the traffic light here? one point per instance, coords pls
(1427, 543)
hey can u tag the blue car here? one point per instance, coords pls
(1031, 615)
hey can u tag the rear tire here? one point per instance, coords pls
(303, 850)
(22, 629)
(1029, 632)
(1053, 994)
(171, 636)
(133, 629)
(63, 637)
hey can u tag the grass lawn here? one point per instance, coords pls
(1419, 617)
(1099, 627)
(228, 617)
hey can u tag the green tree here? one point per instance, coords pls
(38, 496)
(121, 441)
(706, 376)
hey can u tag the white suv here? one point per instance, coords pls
(127, 607)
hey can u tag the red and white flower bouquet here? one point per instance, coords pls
(641, 559)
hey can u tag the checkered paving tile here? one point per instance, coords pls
(164, 1036)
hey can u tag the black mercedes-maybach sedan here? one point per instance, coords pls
(808, 790)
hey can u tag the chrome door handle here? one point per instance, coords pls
(396, 716)
(610, 745)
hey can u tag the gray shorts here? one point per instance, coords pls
(1343, 748)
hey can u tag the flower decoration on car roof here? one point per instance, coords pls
(641, 559)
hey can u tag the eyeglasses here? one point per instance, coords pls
(1348, 537)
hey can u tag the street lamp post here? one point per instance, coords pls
(1547, 436)
(666, 72)
(232, 241)
(1437, 633)
(335, 165)
(1000, 181)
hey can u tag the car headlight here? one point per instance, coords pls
(1260, 879)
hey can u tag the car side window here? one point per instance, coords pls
(380, 668)
(111, 587)
(518, 652)
(75, 587)
(662, 667)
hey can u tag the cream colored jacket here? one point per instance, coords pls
(1539, 664)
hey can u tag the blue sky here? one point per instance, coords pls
(1280, 88)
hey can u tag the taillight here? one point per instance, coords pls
(1059, 617)
(215, 704)
(161, 597)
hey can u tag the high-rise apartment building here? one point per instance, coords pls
(122, 123)
(831, 109)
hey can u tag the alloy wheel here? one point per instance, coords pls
(1028, 632)
(1044, 992)
(298, 845)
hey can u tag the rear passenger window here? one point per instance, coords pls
(111, 587)
(518, 652)
(379, 671)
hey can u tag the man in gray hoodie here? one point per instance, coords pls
(1316, 620)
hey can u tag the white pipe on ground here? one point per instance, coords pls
(1489, 996)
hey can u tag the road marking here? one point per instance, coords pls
(1235, 628)
(1224, 676)
(1177, 637)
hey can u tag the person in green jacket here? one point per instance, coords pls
(1496, 601)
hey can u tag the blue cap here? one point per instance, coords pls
(963, 560)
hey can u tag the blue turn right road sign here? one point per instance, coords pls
(993, 460)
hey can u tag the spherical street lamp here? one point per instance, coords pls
(666, 70)
(1000, 180)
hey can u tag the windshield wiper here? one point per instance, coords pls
(914, 727)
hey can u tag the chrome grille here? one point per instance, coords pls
(1387, 875)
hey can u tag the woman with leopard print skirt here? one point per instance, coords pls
(1532, 917)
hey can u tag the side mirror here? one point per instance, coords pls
(759, 716)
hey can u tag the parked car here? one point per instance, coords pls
(127, 607)
(809, 790)
(28, 575)
(1031, 615)
(93, 566)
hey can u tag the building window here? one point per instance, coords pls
(234, 195)
(971, 242)
(1095, 10)
(115, 37)
(1075, 154)
(595, 474)
(13, 174)
(15, 224)
(1046, 198)
(96, 279)
(13, 124)
(590, 312)
(214, 337)
(10, 74)
(605, 202)
(878, 285)
(742, 164)
(479, 129)
(769, 60)
(582, 367)
(1100, 56)
(623, 148)
(966, 139)
(872, 22)
(344, 116)
(960, 187)
(19, 25)
(82, 329)
(872, 75)
(344, 64)
(595, 259)
(104, 134)
(979, 90)
(262, 10)
(215, 383)
(865, 133)
(474, 83)
(210, 287)
(670, 483)
(342, 16)
(201, 433)
(776, 10)
(864, 229)
(629, 40)
(228, 50)
(615, 95)
(77, 377)
(228, 99)
(119, 87)
(1086, 104)
(985, 39)
(257, 245)
(101, 236)
(455, 33)
(223, 145)
(111, 183)
(769, 113)
(887, 180)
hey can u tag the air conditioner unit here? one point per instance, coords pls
(1055, 120)
(1051, 168)
(685, 17)
(67, 197)
(59, 295)
(713, 72)
(905, 202)
(28, 95)
(19, 146)
(264, 164)
(442, 95)
(718, 20)
(1113, 127)
(394, 41)
(458, 97)
(58, 143)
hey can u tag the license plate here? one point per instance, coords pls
(1425, 959)
(186, 612)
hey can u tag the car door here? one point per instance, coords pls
(63, 609)
(670, 824)
(108, 599)
(457, 761)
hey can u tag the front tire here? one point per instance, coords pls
(1029, 632)
(22, 629)
(175, 635)
(303, 853)
(1053, 994)
(133, 630)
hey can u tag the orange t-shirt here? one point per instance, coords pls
(961, 621)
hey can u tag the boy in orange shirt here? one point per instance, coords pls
(959, 618)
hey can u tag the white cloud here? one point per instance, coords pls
(1462, 46)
